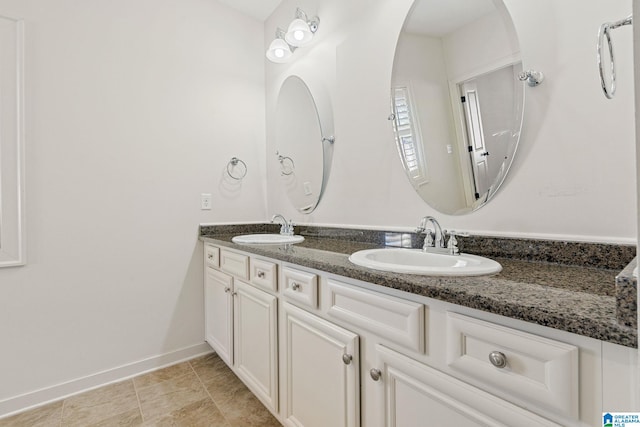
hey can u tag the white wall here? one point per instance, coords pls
(574, 174)
(133, 109)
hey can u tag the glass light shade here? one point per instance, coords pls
(279, 51)
(298, 33)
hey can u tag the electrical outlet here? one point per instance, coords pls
(205, 201)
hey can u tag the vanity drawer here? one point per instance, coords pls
(521, 367)
(211, 256)
(300, 286)
(264, 274)
(395, 319)
(234, 263)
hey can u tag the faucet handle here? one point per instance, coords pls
(429, 238)
(452, 243)
(290, 226)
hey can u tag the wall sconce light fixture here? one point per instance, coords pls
(279, 50)
(299, 33)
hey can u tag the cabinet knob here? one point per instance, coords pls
(347, 358)
(210, 256)
(295, 286)
(233, 294)
(261, 274)
(498, 359)
(227, 290)
(375, 374)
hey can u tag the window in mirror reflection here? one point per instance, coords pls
(408, 136)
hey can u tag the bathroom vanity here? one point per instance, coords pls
(323, 342)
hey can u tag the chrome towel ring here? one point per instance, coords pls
(605, 32)
(286, 164)
(233, 165)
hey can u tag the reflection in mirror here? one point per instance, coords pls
(304, 149)
(286, 164)
(457, 102)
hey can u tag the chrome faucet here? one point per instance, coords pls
(433, 239)
(286, 227)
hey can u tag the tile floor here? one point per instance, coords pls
(200, 392)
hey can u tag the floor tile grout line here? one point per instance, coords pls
(64, 403)
(240, 381)
(209, 394)
(155, 384)
(135, 389)
(62, 412)
(92, 405)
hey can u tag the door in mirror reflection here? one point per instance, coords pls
(491, 106)
(457, 102)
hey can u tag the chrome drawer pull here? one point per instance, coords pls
(295, 286)
(227, 290)
(261, 274)
(375, 374)
(498, 359)
(347, 358)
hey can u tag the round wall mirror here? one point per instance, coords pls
(457, 102)
(304, 129)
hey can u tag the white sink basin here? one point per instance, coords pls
(266, 239)
(416, 261)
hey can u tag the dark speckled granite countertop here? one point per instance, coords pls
(574, 298)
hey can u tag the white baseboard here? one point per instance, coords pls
(33, 399)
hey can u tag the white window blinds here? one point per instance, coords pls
(407, 136)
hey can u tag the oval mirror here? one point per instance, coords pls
(303, 143)
(456, 100)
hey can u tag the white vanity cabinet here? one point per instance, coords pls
(404, 353)
(218, 313)
(324, 350)
(255, 341)
(320, 374)
(241, 322)
(412, 394)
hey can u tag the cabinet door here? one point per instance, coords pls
(255, 341)
(321, 378)
(409, 393)
(218, 311)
